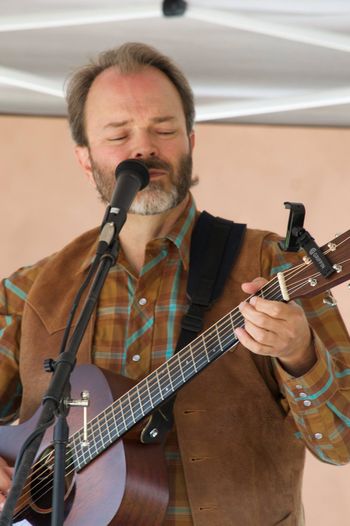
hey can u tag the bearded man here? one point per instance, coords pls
(235, 456)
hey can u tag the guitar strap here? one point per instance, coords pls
(215, 245)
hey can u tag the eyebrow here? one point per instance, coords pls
(116, 124)
(165, 118)
(156, 120)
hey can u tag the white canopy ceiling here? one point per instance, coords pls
(257, 61)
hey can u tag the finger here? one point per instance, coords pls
(273, 309)
(6, 474)
(260, 335)
(251, 287)
(249, 343)
(258, 318)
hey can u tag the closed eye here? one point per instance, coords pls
(113, 139)
(166, 132)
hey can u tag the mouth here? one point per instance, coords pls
(155, 173)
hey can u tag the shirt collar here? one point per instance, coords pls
(180, 235)
(181, 231)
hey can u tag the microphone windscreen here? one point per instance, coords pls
(136, 168)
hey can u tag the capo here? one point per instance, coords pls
(296, 220)
(297, 237)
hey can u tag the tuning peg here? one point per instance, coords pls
(329, 299)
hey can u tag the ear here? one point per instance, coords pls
(192, 138)
(83, 155)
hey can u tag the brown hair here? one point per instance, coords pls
(129, 57)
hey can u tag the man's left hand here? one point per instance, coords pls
(274, 328)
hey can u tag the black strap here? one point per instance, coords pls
(215, 245)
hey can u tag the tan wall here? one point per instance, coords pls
(246, 173)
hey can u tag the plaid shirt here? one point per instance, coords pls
(137, 326)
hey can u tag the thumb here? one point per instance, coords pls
(251, 287)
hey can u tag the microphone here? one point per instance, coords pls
(131, 176)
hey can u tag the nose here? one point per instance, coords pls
(145, 147)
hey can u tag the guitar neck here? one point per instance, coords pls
(164, 382)
(161, 384)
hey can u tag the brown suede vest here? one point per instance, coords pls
(243, 464)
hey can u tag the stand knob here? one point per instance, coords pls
(49, 365)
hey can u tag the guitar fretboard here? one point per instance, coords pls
(164, 382)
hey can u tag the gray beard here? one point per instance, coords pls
(153, 199)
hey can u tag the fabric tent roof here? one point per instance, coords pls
(250, 61)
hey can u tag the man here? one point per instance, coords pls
(236, 454)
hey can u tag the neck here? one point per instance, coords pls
(139, 230)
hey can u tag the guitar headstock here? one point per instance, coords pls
(306, 280)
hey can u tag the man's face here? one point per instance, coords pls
(138, 116)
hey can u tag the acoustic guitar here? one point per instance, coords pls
(121, 482)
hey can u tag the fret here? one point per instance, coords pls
(139, 399)
(165, 379)
(74, 452)
(232, 324)
(132, 413)
(94, 439)
(195, 349)
(174, 365)
(103, 428)
(149, 394)
(87, 450)
(180, 367)
(218, 336)
(193, 360)
(188, 363)
(211, 343)
(85, 453)
(115, 423)
(78, 461)
(205, 349)
(115, 406)
(122, 412)
(158, 383)
(155, 391)
(108, 427)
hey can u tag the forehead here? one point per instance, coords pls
(147, 93)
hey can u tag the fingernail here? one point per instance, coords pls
(252, 301)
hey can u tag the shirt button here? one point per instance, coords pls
(302, 395)
(136, 358)
(307, 403)
(298, 386)
(142, 301)
(318, 436)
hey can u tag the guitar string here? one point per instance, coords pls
(224, 336)
(157, 381)
(41, 486)
(102, 443)
(209, 328)
(129, 402)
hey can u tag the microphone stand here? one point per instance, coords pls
(132, 175)
(53, 401)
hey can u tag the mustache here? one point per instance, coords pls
(156, 163)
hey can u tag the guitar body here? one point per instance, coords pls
(124, 485)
